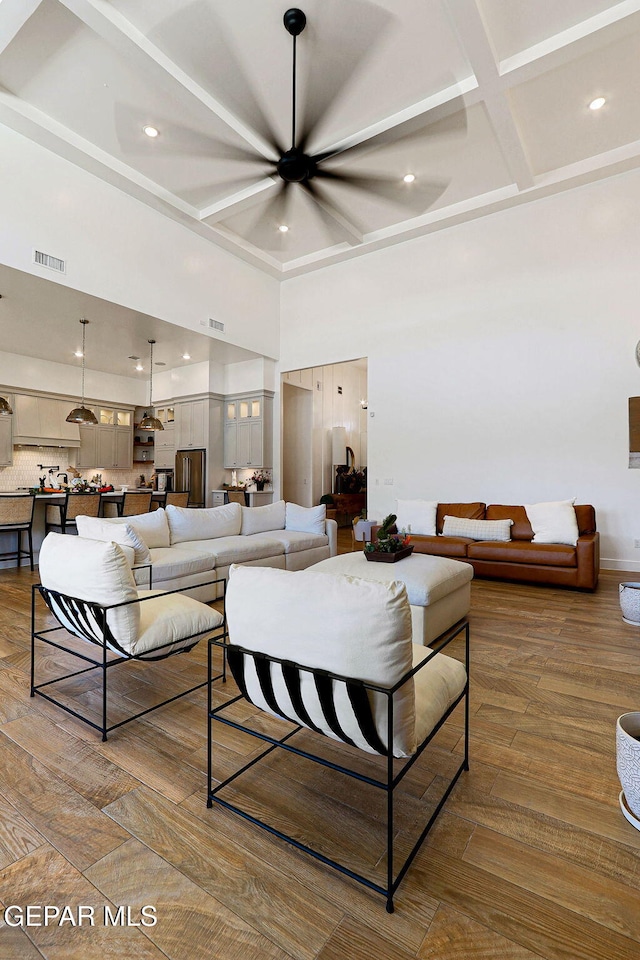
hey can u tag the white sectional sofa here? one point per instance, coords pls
(188, 547)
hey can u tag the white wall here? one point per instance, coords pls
(501, 356)
(29, 373)
(121, 250)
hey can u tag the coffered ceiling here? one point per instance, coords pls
(485, 102)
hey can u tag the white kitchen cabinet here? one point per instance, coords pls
(106, 445)
(88, 452)
(42, 420)
(165, 446)
(191, 424)
(248, 428)
(6, 441)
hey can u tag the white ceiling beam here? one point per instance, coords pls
(122, 36)
(475, 40)
(13, 16)
(237, 201)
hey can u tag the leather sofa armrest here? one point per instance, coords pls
(588, 558)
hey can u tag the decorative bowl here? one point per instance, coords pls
(381, 556)
(628, 759)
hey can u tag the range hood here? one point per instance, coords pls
(41, 422)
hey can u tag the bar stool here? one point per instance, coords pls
(61, 516)
(235, 496)
(177, 498)
(16, 516)
(134, 502)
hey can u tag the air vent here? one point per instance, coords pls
(214, 324)
(46, 260)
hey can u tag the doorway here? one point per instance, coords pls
(297, 420)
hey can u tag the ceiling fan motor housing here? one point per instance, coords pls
(295, 21)
(294, 166)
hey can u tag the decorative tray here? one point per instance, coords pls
(380, 557)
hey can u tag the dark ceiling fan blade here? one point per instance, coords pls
(338, 224)
(174, 139)
(196, 28)
(264, 231)
(343, 35)
(417, 196)
(205, 194)
(447, 123)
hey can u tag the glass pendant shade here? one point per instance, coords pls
(82, 414)
(5, 408)
(149, 422)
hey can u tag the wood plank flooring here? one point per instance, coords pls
(531, 858)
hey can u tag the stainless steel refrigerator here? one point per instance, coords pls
(191, 475)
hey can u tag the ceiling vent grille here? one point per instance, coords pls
(46, 260)
(214, 324)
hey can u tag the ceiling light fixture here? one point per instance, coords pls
(409, 177)
(151, 131)
(597, 103)
(78, 354)
(186, 356)
(283, 228)
(81, 414)
(149, 422)
(5, 408)
(139, 367)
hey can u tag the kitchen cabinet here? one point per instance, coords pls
(6, 441)
(191, 424)
(42, 421)
(165, 446)
(109, 444)
(248, 432)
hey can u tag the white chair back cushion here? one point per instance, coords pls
(109, 531)
(348, 626)
(152, 528)
(262, 519)
(186, 523)
(96, 571)
(306, 519)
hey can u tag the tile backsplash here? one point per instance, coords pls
(25, 472)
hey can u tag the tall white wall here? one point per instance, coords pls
(29, 373)
(501, 356)
(121, 250)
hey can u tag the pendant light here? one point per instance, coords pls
(5, 408)
(81, 414)
(149, 422)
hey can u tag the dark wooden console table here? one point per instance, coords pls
(347, 506)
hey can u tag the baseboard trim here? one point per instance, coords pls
(632, 565)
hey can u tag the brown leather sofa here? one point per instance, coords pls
(553, 564)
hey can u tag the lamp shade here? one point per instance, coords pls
(339, 445)
(82, 415)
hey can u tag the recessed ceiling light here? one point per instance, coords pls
(139, 367)
(409, 177)
(151, 131)
(597, 103)
(78, 353)
(283, 228)
(186, 356)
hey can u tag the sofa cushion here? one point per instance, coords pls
(549, 554)
(437, 686)
(306, 519)
(293, 540)
(261, 519)
(101, 528)
(152, 528)
(553, 522)
(171, 562)
(346, 625)
(477, 529)
(187, 523)
(473, 511)
(521, 529)
(416, 516)
(96, 571)
(226, 550)
(171, 619)
(441, 546)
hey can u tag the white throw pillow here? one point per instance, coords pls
(186, 523)
(553, 522)
(417, 516)
(477, 529)
(306, 519)
(262, 519)
(100, 528)
(152, 527)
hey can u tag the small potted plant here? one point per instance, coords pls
(388, 547)
(260, 477)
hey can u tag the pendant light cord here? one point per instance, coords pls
(84, 337)
(293, 99)
(151, 376)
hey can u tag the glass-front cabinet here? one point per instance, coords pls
(247, 431)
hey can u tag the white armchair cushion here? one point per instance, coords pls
(187, 523)
(171, 619)
(93, 570)
(553, 522)
(108, 531)
(437, 686)
(152, 528)
(306, 519)
(353, 627)
(417, 516)
(263, 519)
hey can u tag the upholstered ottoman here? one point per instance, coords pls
(439, 589)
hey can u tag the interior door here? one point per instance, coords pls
(297, 413)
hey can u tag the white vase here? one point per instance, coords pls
(628, 759)
(629, 595)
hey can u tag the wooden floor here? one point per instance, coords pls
(530, 858)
